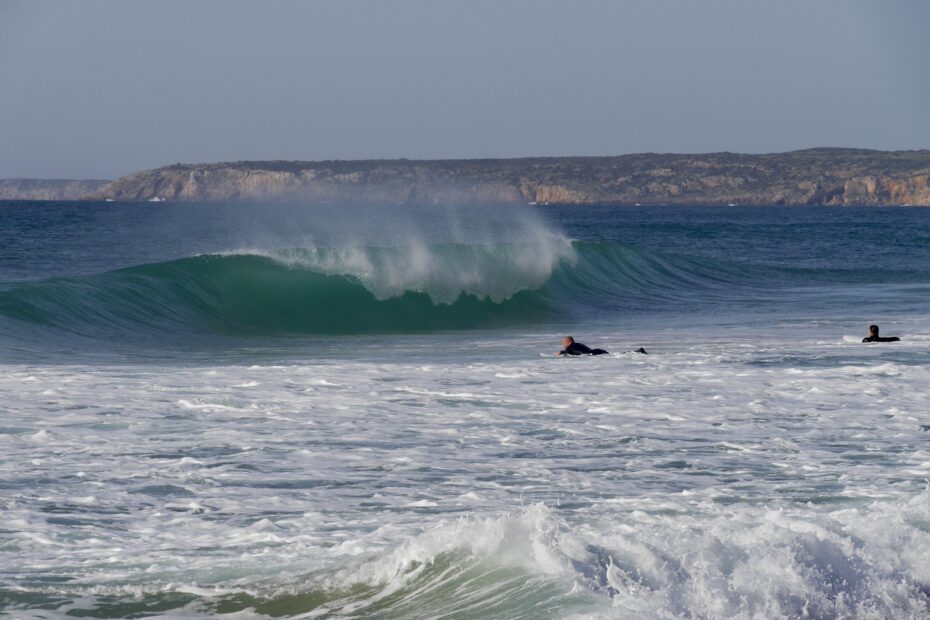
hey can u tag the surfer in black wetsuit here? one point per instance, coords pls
(874, 337)
(570, 347)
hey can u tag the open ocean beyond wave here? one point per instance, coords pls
(283, 411)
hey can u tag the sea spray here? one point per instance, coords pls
(443, 272)
(444, 252)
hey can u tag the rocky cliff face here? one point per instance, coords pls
(47, 189)
(816, 176)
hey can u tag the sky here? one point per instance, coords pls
(102, 88)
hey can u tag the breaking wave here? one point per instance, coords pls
(360, 290)
(393, 289)
(745, 562)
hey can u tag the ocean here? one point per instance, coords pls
(254, 411)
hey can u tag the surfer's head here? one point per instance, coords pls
(873, 330)
(567, 341)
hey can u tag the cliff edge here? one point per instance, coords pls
(809, 177)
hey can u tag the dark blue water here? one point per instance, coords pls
(67, 238)
(106, 273)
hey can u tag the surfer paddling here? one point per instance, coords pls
(874, 337)
(570, 347)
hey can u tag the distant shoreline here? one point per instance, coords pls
(823, 176)
(48, 189)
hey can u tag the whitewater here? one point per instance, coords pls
(254, 411)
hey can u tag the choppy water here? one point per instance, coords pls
(269, 411)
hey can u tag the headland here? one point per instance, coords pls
(821, 176)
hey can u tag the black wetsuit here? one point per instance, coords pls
(880, 339)
(576, 348)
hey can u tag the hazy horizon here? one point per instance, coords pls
(101, 88)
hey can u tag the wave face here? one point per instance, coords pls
(316, 291)
(367, 290)
(391, 289)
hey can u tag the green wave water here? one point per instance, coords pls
(388, 290)
(329, 292)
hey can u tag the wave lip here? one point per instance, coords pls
(444, 272)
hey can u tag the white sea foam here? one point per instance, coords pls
(725, 474)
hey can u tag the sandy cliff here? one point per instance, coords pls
(815, 176)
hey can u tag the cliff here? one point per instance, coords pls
(809, 177)
(47, 189)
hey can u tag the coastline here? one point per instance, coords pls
(822, 176)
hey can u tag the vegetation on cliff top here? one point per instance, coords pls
(827, 176)
(814, 176)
